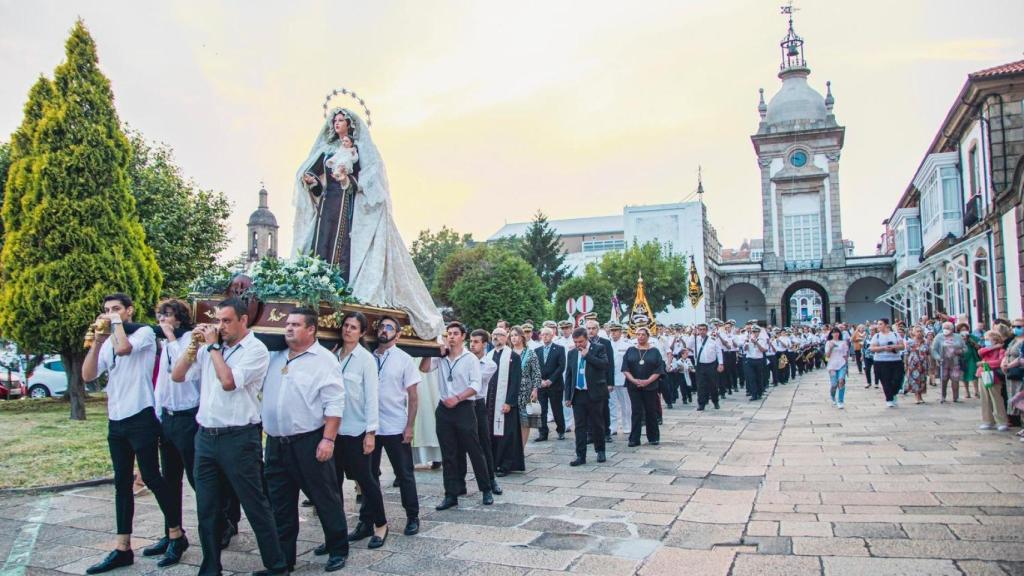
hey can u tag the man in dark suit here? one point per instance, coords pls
(552, 376)
(586, 391)
(593, 333)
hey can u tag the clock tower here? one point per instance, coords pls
(798, 144)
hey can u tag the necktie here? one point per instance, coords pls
(581, 374)
(546, 348)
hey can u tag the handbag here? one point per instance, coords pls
(533, 409)
(783, 362)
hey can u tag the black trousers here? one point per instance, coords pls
(888, 374)
(686, 390)
(791, 359)
(869, 362)
(178, 459)
(668, 384)
(754, 374)
(292, 466)
(644, 404)
(707, 384)
(457, 433)
(233, 456)
(484, 438)
(857, 356)
(552, 397)
(400, 456)
(351, 463)
(588, 415)
(138, 437)
(731, 375)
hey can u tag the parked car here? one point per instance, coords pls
(10, 385)
(48, 379)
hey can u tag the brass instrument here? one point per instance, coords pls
(194, 344)
(100, 327)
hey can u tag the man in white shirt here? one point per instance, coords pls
(621, 410)
(132, 426)
(459, 382)
(303, 400)
(231, 368)
(478, 340)
(552, 373)
(399, 386)
(708, 359)
(177, 405)
(754, 344)
(528, 332)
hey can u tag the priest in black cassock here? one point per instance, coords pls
(503, 407)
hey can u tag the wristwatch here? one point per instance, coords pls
(214, 346)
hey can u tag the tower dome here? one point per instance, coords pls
(262, 231)
(262, 216)
(796, 106)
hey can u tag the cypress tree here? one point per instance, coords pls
(541, 247)
(72, 231)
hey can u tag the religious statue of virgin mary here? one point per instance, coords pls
(343, 214)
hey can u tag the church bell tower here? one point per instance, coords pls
(798, 144)
(262, 231)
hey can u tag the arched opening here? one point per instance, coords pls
(743, 302)
(981, 300)
(860, 301)
(817, 304)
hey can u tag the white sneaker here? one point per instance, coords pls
(840, 406)
(890, 403)
(985, 427)
(1002, 428)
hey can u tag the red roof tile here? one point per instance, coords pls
(1010, 68)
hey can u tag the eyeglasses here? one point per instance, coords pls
(386, 328)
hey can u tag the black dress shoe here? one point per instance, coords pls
(225, 538)
(541, 439)
(462, 492)
(396, 483)
(335, 563)
(156, 549)
(716, 406)
(578, 461)
(175, 550)
(412, 527)
(495, 489)
(378, 541)
(700, 409)
(307, 503)
(608, 438)
(359, 498)
(633, 444)
(116, 559)
(320, 550)
(362, 530)
(601, 458)
(561, 436)
(654, 442)
(488, 498)
(500, 473)
(448, 502)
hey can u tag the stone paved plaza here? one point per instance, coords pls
(788, 486)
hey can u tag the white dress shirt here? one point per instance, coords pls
(619, 348)
(487, 369)
(534, 344)
(299, 393)
(362, 386)
(456, 374)
(750, 350)
(711, 352)
(170, 395)
(130, 378)
(218, 408)
(729, 340)
(397, 373)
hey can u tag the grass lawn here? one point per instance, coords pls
(40, 446)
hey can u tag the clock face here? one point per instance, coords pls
(798, 158)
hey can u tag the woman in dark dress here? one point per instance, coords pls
(643, 365)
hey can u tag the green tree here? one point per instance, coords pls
(185, 226)
(458, 263)
(5, 167)
(542, 248)
(499, 285)
(591, 283)
(664, 274)
(430, 250)
(73, 232)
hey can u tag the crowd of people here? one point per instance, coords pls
(194, 402)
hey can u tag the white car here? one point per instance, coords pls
(48, 379)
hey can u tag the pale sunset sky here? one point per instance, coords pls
(486, 111)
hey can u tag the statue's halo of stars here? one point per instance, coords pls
(347, 92)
